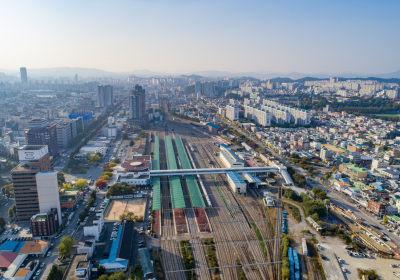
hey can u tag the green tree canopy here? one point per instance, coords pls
(65, 247)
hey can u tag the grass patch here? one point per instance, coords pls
(285, 257)
(314, 255)
(293, 211)
(239, 270)
(212, 255)
(258, 233)
(371, 274)
(188, 260)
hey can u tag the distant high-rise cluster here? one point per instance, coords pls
(24, 75)
(105, 96)
(137, 103)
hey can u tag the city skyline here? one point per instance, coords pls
(183, 37)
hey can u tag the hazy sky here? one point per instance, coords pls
(180, 36)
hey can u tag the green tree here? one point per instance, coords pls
(60, 178)
(118, 276)
(10, 213)
(65, 247)
(131, 143)
(101, 270)
(333, 170)
(103, 277)
(112, 164)
(385, 219)
(2, 222)
(8, 190)
(14, 208)
(82, 216)
(81, 184)
(93, 194)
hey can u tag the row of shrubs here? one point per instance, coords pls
(188, 260)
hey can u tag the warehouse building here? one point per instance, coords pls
(121, 249)
(229, 158)
(236, 182)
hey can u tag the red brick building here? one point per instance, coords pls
(377, 206)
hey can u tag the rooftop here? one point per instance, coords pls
(78, 262)
(137, 163)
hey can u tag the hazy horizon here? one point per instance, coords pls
(193, 36)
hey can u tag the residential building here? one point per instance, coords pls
(376, 163)
(326, 154)
(35, 183)
(42, 133)
(137, 103)
(105, 96)
(232, 112)
(378, 207)
(389, 174)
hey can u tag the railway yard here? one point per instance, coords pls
(196, 208)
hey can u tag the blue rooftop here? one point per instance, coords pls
(114, 247)
(9, 246)
(225, 146)
(19, 247)
(235, 177)
(213, 125)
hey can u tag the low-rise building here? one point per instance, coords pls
(94, 225)
(79, 268)
(69, 198)
(353, 171)
(121, 249)
(378, 207)
(44, 224)
(237, 184)
(230, 159)
(135, 171)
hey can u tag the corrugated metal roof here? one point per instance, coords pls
(147, 265)
(235, 177)
(171, 161)
(194, 191)
(176, 192)
(155, 181)
(156, 157)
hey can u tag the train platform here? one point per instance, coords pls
(180, 222)
(202, 220)
(156, 222)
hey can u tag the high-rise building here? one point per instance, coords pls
(232, 112)
(42, 133)
(35, 183)
(24, 75)
(105, 96)
(76, 78)
(64, 134)
(137, 103)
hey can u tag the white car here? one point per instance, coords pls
(344, 270)
(49, 254)
(38, 272)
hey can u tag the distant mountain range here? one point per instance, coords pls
(93, 72)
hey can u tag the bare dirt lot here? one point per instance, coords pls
(123, 206)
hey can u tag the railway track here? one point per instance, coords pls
(249, 253)
(172, 260)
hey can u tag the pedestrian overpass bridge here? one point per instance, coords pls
(208, 171)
